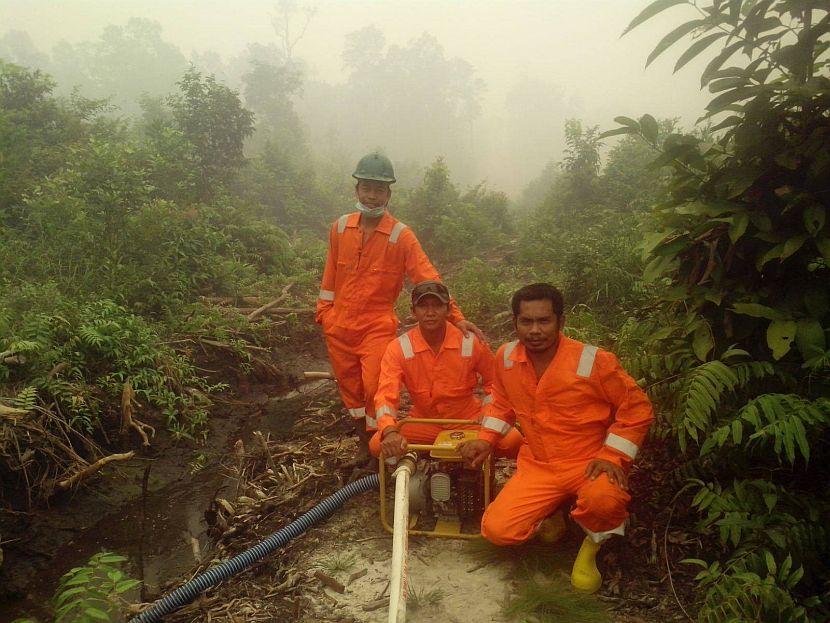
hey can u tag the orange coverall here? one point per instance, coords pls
(440, 385)
(360, 285)
(584, 407)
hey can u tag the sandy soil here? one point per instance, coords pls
(446, 579)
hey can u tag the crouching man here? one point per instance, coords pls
(440, 367)
(583, 418)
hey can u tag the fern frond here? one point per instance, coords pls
(703, 389)
(26, 398)
(24, 346)
(784, 420)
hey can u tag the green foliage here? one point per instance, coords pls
(775, 538)
(745, 225)
(339, 563)
(743, 594)
(740, 256)
(35, 131)
(93, 592)
(482, 290)
(551, 600)
(420, 598)
(702, 391)
(452, 226)
(80, 359)
(584, 235)
(110, 232)
(581, 162)
(785, 421)
(212, 118)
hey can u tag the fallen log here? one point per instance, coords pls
(232, 300)
(377, 604)
(274, 311)
(89, 470)
(128, 420)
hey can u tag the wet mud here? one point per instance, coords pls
(150, 510)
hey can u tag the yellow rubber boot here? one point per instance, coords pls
(585, 576)
(552, 528)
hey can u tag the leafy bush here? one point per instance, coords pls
(740, 369)
(451, 226)
(80, 359)
(93, 592)
(481, 290)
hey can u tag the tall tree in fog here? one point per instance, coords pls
(16, 47)
(125, 64)
(412, 100)
(268, 89)
(290, 23)
(212, 118)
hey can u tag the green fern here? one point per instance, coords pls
(785, 420)
(703, 390)
(26, 398)
(754, 588)
(760, 512)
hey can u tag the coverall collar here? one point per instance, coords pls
(519, 354)
(452, 339)
(387, 222)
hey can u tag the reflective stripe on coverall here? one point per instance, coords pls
(360, 285)
(440, 385)
(584, 407)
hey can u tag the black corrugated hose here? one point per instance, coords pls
(210, 578)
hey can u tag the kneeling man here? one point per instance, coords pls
(583, 418)
(440, 367)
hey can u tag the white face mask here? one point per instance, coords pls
(370, 212)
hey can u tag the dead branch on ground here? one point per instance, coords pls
(260, 310)
(89, 470)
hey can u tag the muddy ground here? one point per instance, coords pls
(450, 580)
(150, 509)
(169, 524)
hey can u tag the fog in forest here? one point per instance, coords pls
(488, 86)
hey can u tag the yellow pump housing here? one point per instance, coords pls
(444, 449)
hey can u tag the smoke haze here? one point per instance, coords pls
(487, 85)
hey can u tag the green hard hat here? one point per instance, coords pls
(375, 166)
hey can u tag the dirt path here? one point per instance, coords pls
(447, 583)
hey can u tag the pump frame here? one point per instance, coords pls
(486, 468)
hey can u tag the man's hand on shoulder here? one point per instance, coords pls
(466, 327)
(616, 475)
(475, 451)
(393, 444)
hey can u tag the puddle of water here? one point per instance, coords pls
(109, 515)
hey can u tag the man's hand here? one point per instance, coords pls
(616, 475)
(475, 452)
(393, 444)
(466, 327)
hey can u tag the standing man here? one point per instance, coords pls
(584, 419)
(440, 368)
(369, 253)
